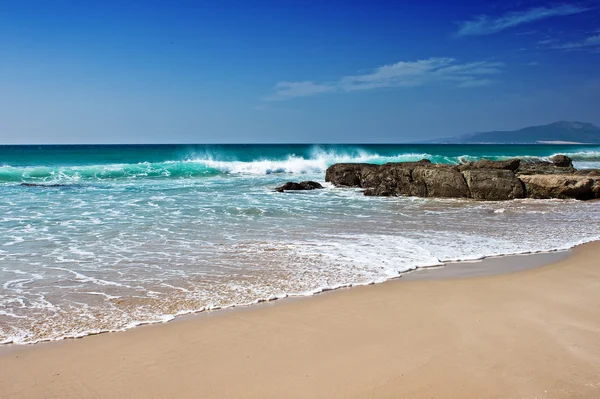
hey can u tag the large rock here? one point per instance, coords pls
(440, 181)
(562, 186)
(388, 180)
(562, 161)
(303, 185)
(418, 179)
(493, 184)
(509, 164)
(347, 174)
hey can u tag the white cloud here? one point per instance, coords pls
(485, 25)
(591, 41)
(400, 74)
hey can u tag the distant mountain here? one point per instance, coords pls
(554, 133)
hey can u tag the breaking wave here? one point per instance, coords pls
(209, 165)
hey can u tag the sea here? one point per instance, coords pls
(108, 237)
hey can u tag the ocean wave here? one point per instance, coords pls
(318, 162)
(74, 174)
(196, 167)
(582, 156)
(209, 165)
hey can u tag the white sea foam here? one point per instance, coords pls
(317, 163)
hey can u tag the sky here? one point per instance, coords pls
(292, 71)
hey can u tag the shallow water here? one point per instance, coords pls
(140, 234)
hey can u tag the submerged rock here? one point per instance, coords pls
(304, 185)
(43, 185)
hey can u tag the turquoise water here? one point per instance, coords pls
(117, 236)
(93, 162)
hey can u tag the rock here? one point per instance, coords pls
(438, 181)
(509, 164)
(588, 172)
(562, 161)
(493, 184)
(420, 179)
(388, 179)
(544, 168)
(562, 186)
(422, 162)
(43, 185)
(347, 174)
(304, 185)
(367, 175)
(482, 180)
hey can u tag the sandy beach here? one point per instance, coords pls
(526, 334)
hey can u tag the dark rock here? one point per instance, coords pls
(509, 164)
(561, 186)
(42, 185)
(368, 175)
(304, 185)
(562, 161)
(493, 184)
(347, 174)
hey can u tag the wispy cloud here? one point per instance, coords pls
(591, 41)
(400, 74)
(417, 73)
(486, 25)
(287, 90)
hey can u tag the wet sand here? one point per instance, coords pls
(526, 334)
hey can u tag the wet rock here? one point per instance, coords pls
(493, 184)
(562, 186)
(347, 174)
(304, 185)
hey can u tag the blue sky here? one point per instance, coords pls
(294, 71)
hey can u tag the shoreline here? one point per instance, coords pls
(524, 334)
(486, 266)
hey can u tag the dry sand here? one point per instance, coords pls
(529, 334)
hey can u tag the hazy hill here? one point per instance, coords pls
(573, 132)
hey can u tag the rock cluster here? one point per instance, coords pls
(482, 180)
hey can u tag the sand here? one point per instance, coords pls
(526, 334)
